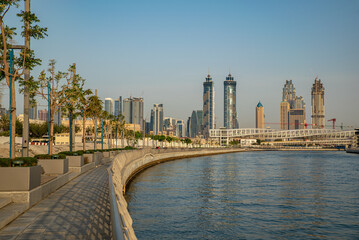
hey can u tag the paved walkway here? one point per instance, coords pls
(78, 210)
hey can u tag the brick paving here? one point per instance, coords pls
(78, 210)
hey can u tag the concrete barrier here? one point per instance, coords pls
(75, 161)
(54, 166)
(127, 164)
(20, 178)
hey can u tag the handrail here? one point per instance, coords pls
(119, 230)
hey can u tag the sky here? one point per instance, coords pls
(162, 51)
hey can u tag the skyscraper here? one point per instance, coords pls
(133, 110)
(259, 115)
(109, 105)
(230, 112)
(157, 119)
(292, 108)
(208, 105)
(180, 128)
(118, 106)
(318, 109)
(33, 111)
(44, 115)
(194, 125)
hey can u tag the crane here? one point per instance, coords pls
(333, 120)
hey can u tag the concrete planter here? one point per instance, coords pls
(54, 166)
(97, 157)
(20, 178)
(89, 156)
(106, 154)
(75, 161)
(113, 153)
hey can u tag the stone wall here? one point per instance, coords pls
(128, 163)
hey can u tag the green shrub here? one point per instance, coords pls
(4, 162)
(47, 156)
(70, 153)
(129, 148)
(28, 161)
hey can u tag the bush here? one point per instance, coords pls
(4, 162)
(71, 153)
(47, 156)
(129, 148)
(28, 161)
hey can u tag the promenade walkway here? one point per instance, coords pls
(78, 210)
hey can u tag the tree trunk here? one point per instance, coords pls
(52, 117)
(95, 133)
(84, 132)
(71, 133)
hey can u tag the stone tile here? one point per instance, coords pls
(7, 236)
(78, 210)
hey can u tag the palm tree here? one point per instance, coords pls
(94, 111)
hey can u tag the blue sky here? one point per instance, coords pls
(162, 50)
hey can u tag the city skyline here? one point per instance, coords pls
(161, 55)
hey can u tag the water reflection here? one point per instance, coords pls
(290, 195)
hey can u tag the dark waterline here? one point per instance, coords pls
(253, 195)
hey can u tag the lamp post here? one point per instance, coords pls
(49, 115)
(10, 102)
(102, 136)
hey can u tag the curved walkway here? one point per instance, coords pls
(78, 210)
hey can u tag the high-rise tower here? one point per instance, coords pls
(157, 119)
(109, 105)
(133, 111)
(318, 109)
(259, 115)
(292, 108)
(230, 112)
(208, 105)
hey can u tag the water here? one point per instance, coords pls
(253, 195)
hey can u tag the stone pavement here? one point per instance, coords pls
(78, 210)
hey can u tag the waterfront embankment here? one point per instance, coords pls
(127, 164)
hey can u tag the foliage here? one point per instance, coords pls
(4, 162)
(234, 142)
(28, 161)
(67, 153)
(47, 156)
(129, 148)
(138, 135)
(161, 138)
(187, 141)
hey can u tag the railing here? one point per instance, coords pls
(119, 228)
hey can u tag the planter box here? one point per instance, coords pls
(20, 178)
(89, 156)
(75, 161)
(106, 154)
(54, 166)
(113, 153)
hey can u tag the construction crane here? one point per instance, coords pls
(333, 120)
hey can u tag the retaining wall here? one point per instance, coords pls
(127, 164)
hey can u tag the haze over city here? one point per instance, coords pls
(162, 51)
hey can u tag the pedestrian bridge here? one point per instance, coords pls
(226, 135)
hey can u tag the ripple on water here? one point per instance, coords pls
(255, 195)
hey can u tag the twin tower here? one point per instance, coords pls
(230, 106)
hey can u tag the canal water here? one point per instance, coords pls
(250, 195)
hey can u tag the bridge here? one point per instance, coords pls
(224, 136)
